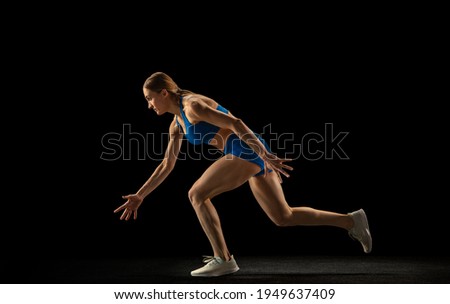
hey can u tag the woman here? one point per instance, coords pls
(246, 158)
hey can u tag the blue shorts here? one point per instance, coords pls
(239, 148)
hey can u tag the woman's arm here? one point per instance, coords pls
(167, 164)
(133, 202)
(200, 111)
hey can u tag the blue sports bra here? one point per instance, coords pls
(201, 132)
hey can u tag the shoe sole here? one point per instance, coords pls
(367, 230)
(231, 271)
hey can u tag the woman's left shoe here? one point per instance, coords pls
(216, 266)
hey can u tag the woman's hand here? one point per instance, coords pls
(130, 207)
(271, 161)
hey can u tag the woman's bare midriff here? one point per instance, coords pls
(220, 139)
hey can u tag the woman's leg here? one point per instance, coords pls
(269, 194)
(225, 174)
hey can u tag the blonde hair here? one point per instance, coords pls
(159, 81)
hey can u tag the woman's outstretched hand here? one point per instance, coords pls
(271, 161)
(130, 207)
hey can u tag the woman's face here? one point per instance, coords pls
(157, 101)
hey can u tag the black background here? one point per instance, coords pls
(78, 83)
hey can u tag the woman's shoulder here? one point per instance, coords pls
(203, 100)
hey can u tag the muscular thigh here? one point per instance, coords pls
(269, 194)
(225, 174)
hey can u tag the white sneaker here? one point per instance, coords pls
(360, 230)
(215, 266)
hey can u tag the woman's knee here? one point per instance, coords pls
(282, 219)
(196, 196)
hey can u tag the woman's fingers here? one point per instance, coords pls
(279, 178)
(287, 167)
(127, 211)
(128, 214)
(124, 214)
(285, 173)
(123, 205)
(120, 208)
(279, 168)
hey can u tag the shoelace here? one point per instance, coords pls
(209, 258)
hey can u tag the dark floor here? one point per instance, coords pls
(265, 270)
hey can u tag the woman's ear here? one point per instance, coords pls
(164, 92)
